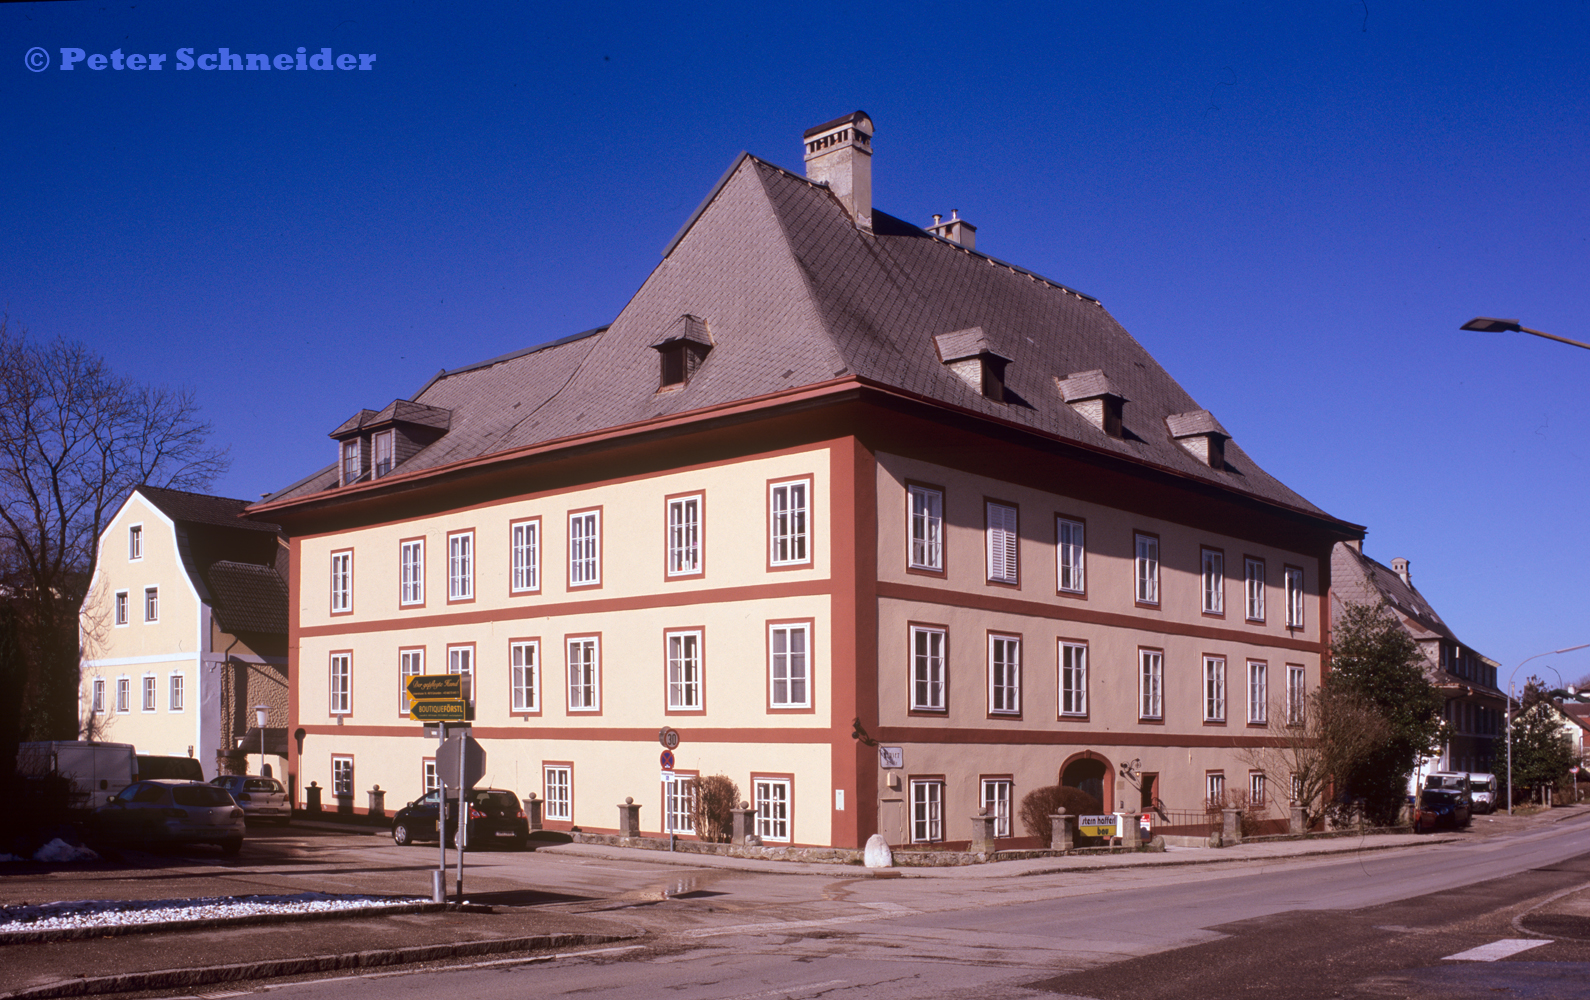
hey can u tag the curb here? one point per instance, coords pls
(273, 968)
(1422, 842)
(219, 923)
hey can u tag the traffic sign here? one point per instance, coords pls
(431, 686)
(438, 710)
(667, 760)
(668, 737)
(447, 761)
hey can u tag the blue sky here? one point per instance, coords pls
(1293, 209)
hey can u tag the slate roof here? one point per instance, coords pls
(200, 508)
(795, 295)
(248, 597)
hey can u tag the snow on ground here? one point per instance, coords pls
(115, 912)
(56, 850)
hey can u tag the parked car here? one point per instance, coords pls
(261, 798)
(172, 812)
(1439, 808)
(1482, 788)
(495, 817)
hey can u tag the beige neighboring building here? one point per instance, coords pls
(1475, 710)
(887, 529)
(184, 631)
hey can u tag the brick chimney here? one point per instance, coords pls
(839, 154)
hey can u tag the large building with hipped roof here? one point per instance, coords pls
(888, 530)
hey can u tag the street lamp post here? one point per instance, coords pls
(1514, 674)
(1488, 324)
(261, 714)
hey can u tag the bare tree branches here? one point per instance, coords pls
(1338, 730)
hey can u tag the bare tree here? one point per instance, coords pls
(1313, 750)
(75, 438)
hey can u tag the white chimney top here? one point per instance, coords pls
(839, 154)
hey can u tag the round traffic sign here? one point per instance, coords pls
(668, 737)
(667, 760)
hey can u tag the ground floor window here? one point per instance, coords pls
(1256, 791)
(679, 799)
(429, 778)
(342, 777)
(1215, 789)
(996, 801)
(99, 695)
(174, 695)
(124, 694)
(557, 785)
(772, 808)
(927, 811)
(149, 692)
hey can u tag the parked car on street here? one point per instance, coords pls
(1482, 789)
(1441, 808)
(495, 817)
(261, 798)
(172, 812)
(159, 766)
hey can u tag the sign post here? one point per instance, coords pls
(460, 763)
(439, 698)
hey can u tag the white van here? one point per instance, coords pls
(1483, 789)
(96, 770)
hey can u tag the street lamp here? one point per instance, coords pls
(261, 714)
(1510, 678)
(1487, 324)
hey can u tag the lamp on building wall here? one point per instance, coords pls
(1514, 674)
(262, 714)
(1487, 324)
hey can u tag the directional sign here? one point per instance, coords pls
(438, 710)
(447, 761)
(429, 686)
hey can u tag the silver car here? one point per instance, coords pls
(172, 812)
(261, 798)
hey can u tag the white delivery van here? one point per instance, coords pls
(1483, 788)
(96, 770)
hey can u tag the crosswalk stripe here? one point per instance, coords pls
(1496, 949)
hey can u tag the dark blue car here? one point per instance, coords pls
(495, 817)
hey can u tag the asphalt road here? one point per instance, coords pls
(1377, 925)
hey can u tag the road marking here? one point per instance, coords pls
(787, 990)
(1496, 949)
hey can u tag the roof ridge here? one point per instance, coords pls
(501, 358)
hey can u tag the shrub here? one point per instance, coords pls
(1041, 803)
(712, 808)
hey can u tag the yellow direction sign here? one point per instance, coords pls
(437, 710)
(424, 686)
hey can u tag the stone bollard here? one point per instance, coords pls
(1131, 833)
(1231, 827)
(983, 833)
(877, 853)
(1299, 824)
(312, 794)
(1062, 831)
(629, 818)
(742, 828)
(377, 803)
(532, 811)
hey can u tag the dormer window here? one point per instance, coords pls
(373, 444)
(681, 351)
(968, 354)
(383, 454)
(1094, 398)
(351, 461)
(1201, 435)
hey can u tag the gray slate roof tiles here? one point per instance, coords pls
(248, 598)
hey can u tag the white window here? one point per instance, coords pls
(684, 671)
(124, 694)
(98, 701)
(341, 693)
(411, 562)
(461, 566)
(585, 549)
(342, 777)
(383, 453)
(1073, 678)
(135, 542)
(927, 812)
(772, 809)
(351, 461)
(526, 545)
(1258, 692)
(585, 689)
(928, 681)
(1294, 597)
(430, 781)
(1004, 674)
(996, 802)
(149, 692)
(1147, 569)
(557, 786)
(1151, 684)
(789, 666)
(1253, 575)
(684, 536)
(1214, 689)
(1070, 555)
(524, 665)
(1256, 791)
(679, 797)
(1002, 543)
(121, 607)
(151, 604)
(788, 529)
(411, 664)
(927, 528)
(1214, 582)
(1296, 694)
(461, 661)
(174, 699)
(1215, 789)
(341, 582)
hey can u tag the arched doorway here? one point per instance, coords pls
(1087, 771)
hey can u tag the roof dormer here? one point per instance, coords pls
(1094, 398)
(968, 354)
(681, 351)
(1201, 434)
(371, 444)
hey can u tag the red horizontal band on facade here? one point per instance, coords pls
(1073, 613)
(1067, 737)
(777, 731)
